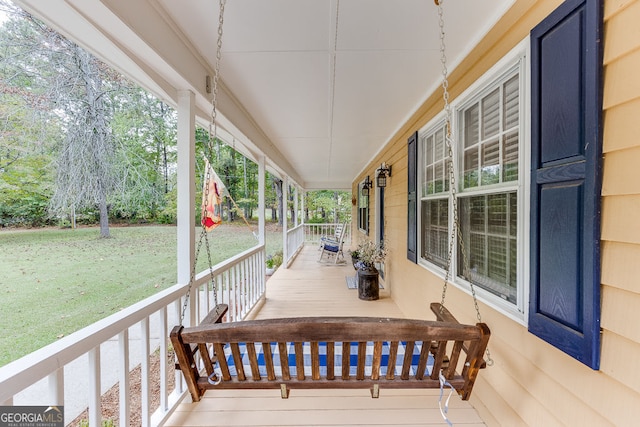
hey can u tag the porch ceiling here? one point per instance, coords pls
(318, 99)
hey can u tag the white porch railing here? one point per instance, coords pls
(295, 242)
(240, 282)
(313, 232)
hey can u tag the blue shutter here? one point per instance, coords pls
(412, 208)
(566, 141)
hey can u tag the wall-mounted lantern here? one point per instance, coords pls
(366, 185)
(383, 172)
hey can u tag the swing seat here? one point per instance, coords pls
(330, 352)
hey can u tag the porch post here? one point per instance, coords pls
(285, 209)
(261, 200)
(295, 205)
(302, 212)
(186, 190)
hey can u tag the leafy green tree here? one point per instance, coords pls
(144, 129)
(86, 163)
(327, 206)
(28, 129)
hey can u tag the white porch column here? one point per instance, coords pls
(285, 209)
(295, 206)
(186, 189)
(285, 223)
(302, 212)
(261, 201)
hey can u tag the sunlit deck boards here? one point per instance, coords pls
(308, 288)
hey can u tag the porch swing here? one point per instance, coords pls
(333, 352)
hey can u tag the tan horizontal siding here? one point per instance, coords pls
(620, 233)
(621, 126)
(621, 83)
(621, 265)
(623, 31)
(617, 165)
(620, 314)
(620, 218)
(620, 362)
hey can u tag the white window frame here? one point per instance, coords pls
(434, 126)
(516, 58)
(364, 224)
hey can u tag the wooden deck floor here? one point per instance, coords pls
(309, 288)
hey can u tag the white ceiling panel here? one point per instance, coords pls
(375, 89)
(288, 92)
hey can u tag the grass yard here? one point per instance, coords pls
(54, 282)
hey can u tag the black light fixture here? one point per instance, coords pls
(366, 185)
(383, 172)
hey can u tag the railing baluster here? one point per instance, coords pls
(94, 386)
(234, 291)
(227, 292)
(207, 302)
(164, 333)
(179, 382)
(144, 372)
(56, 387)
(237, 285)
(124, 392)
(248, 282)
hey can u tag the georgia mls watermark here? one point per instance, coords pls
(31, 416)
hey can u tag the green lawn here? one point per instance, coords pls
(54, 282)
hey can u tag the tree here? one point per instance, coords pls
(144, 129)
(86, 163)
(99, 164)
(28, 130)
(323, 203)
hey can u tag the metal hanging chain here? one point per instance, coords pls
(452, 182)
(213, 125)
(213, 133)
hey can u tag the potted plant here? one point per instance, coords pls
(369, 254)
(273, 262)
(355, 257)
(270, 265)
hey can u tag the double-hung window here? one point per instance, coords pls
(488, 133)
(434, 196)
(489, 138)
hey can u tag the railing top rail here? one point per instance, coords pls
(203, 276)
(296, 228)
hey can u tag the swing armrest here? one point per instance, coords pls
(445, 315)
(216, 315)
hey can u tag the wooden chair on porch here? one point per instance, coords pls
(332, 247)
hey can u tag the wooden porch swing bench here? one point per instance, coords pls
(330, 353)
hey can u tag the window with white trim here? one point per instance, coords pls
(434, 196)
(363, 208)
(488, 129)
